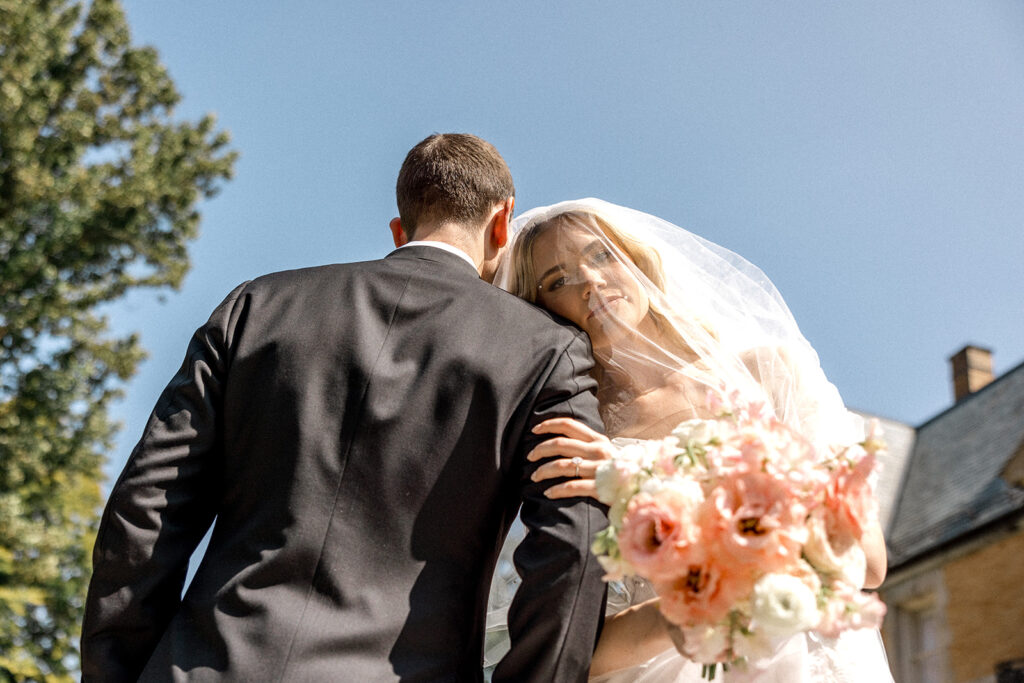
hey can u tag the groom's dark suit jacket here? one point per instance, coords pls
(359, 431)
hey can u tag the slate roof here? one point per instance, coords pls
(952, 485)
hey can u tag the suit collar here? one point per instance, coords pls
(443, 246)
(427, 252)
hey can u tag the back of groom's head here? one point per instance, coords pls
(451, 177)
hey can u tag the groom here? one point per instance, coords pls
(359, 433)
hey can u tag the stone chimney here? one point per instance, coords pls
(972, 369)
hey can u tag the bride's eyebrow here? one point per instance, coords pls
(595, 245)
(553, 269)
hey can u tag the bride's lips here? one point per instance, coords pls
(600, 308)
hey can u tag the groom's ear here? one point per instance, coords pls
(397, 233)
(502, 219)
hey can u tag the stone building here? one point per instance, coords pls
(953, 510)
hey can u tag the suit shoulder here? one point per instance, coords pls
(532, 315)
(310, 275)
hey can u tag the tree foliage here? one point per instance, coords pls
(99, 187)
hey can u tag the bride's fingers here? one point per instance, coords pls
(568, 427)
(571, 448)
(566, 467)
(573, 489)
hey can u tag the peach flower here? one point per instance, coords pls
(849, 501)
(773, 447)
(703, 593)
(753, 519)
(660, 531)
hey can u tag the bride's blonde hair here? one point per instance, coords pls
(523, 276)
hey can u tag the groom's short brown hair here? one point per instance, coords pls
(451, 177)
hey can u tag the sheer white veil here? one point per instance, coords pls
(714, 320)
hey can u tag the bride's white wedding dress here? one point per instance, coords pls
(854, 657)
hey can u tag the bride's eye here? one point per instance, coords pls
(556, 283)
(600, 257)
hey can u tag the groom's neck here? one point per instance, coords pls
(466, 240)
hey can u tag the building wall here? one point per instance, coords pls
(915, 633)
(985, 608)
(953, 618)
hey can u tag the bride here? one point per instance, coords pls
(670, 316)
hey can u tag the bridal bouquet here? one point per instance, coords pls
(748, 534)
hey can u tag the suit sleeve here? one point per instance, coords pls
(555, 618)
(159, 509)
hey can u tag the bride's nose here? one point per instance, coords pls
(592, 278)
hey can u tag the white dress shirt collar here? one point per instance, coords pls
(443, 246)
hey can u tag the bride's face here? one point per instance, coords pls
(582, 277)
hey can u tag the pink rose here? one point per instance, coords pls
(750, 411)
(756, 521)
(718, 404)
(849, 608)
(773, 447)
(704, 592)
(849, 501)
(754, 449)
(659, 530)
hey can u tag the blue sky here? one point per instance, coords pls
(868, 156)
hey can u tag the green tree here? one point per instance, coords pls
(99, 188)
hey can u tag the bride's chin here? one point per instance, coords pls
(616, 338)
(604, 346)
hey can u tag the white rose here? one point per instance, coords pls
(634, 452)
(609, 483)
(686, 486)
(652, 486)
(840, 557)
(615, 568)
(705, 644)
(706, 431)
(783, 605)
(617, 479)
(755, 647)
(695, 431)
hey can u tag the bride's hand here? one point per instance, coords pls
(576, 453)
